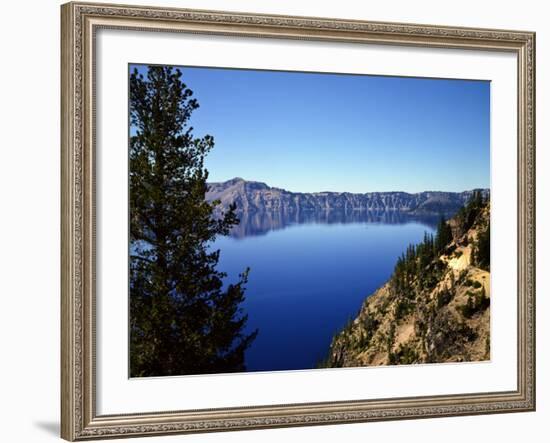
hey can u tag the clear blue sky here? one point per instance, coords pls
(331, 132)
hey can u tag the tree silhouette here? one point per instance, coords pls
(443, 236)
(482, 249)
(182, 318)
(468, 213)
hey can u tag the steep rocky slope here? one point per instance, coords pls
(434, 308)
(251, 196)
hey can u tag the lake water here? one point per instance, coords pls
(309, 276)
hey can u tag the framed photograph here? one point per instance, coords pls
(283, 221)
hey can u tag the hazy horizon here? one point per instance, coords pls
(329, 190)
(316, 132)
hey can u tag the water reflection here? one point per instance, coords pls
(260, 223)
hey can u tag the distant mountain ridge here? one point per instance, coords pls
(254, 197)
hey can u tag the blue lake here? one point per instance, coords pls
(307, 278)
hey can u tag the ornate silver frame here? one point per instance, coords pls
(80, 21)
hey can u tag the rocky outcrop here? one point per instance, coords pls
(432, 312)
(252, 197)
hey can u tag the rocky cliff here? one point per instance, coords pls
(434, 308)
(251, 197)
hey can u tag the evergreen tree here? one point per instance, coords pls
(468, 213)
(443, 236)
(182, 319)
(424, 253)
(482, 250)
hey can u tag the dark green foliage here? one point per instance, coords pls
(420, 264)
(473, 283)
(463, 274)
(390, 338)
(446, 336)
(404, 355)
(476, 303)
(370, 325)
(443, 237)
(433, 275)
(444, 297)
(403, 308)
(466, 216)
(482, 249)
(182, 319)
(453, 281)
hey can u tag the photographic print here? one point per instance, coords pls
(297, 220)
(249, 197)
